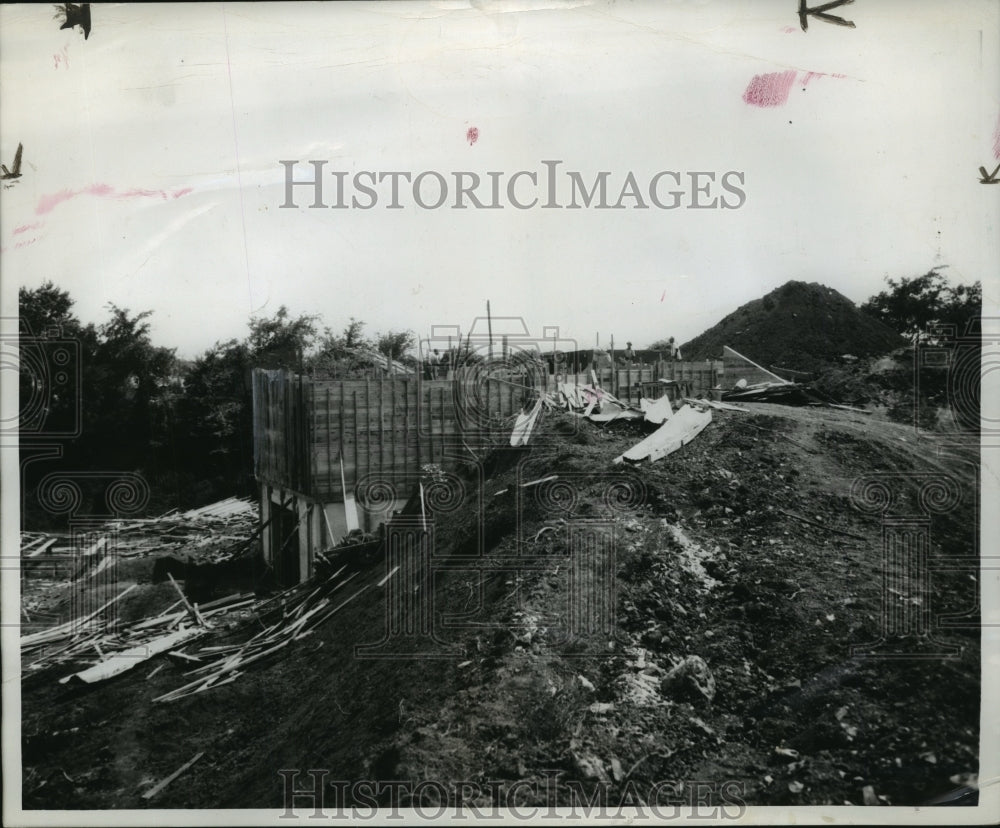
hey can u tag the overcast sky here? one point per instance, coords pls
(151, 175)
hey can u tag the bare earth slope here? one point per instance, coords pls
(709, 562)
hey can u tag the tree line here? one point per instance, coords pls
(116, 402)
(113, 401)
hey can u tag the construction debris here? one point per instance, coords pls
(524, 425)
(302, 608)
(656, 411)
(782, 393)
(720, 406)
(678, 431)
(157, 788)
(118, 650)
(211, 533)
(129, 658)
(592, 402)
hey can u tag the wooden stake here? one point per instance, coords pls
(192, 610)
(329, 528)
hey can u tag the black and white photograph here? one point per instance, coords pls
(504, 411)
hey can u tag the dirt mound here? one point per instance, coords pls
(801, 326)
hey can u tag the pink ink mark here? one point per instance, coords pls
(810, 75)
(769, 90)
(472, 135)
(996, 139)
(48, 203)
(663, 296)
(141, 193)
(24, 228)
(790, 30)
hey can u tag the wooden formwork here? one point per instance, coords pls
(307, 430)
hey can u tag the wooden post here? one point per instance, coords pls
(368, 424)
(357, 453)
(489, 327)
(392, 431)
(614, 371)
(329, 448)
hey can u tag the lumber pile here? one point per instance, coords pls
(294, 614)
(210, 534)
(119, 649)
(95, 647)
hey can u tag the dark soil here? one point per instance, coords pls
(713, 556)
(801, 326)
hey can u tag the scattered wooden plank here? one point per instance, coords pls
(198, 615)
(849, 408)
(228, 608)
(95, 547)
(39, 550)
(70, 627)
(540, 480)
(722, 406)
(387, 577)
(219, 602)
(190, 609)
(125, 660)
(184, 657)
(159, 620)
(157, 788)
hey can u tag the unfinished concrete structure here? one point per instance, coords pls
(335, 455)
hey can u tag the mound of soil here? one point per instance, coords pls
(801, 326)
